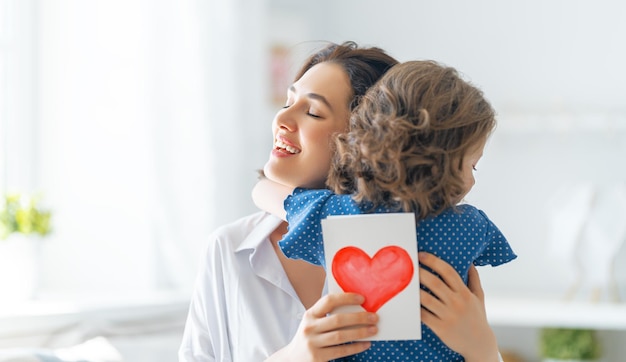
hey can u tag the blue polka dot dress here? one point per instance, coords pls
(462, 236)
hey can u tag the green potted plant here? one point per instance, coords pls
(21, 214)
(569, 344)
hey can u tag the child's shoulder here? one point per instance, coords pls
(466, 212)
(320, 201)
(300, 191)
(467, 209)
(323, 196)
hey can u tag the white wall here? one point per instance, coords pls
(532, 55)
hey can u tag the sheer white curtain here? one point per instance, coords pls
(152, 117)
(17, 95)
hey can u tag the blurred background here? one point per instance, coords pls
(139, 126)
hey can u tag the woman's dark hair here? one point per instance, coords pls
(364, 66)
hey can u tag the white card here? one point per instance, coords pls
(376, 255)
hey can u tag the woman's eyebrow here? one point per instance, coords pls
(315, 96)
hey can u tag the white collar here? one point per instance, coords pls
(260, 232)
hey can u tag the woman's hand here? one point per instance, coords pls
(457, 313)
(321, 337)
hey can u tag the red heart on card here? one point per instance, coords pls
(378, 279)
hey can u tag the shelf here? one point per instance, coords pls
(543, 312)
(50, 315)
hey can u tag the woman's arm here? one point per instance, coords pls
(322, 337)
(269, 196)
(204, 339)
(457, 314)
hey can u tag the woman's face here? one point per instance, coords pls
(317, 107)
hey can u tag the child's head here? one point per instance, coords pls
(414, 140)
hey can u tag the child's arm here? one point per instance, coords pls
(269, 196)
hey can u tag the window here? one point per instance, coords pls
(119, 113)
(91, 120)
(18, 108)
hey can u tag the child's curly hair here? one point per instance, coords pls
(408, 137)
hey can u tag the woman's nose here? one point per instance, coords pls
(285, 119)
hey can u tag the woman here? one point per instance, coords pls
(252, 304)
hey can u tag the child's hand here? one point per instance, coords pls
(457, 313)
(323, 337)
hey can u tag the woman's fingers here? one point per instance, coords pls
(341, 327)
(432, 303)
(473, 283)
(454, 311)
(343, 332)
(345, 350)
(330, 302)
(336, 335)
(447, 297)
(323, 336)
(447, 273)
(347, 320)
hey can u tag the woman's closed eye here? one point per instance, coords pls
(313, 115)
(308, 113)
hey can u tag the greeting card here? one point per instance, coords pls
(375, 255)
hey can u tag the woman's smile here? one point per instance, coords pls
(284, 145)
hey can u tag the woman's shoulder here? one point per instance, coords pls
(236, 233)
(242, 223)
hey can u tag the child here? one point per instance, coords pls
(413, 144)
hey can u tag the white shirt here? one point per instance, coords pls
(243, 307)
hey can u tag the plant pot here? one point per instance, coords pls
(19, 268)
